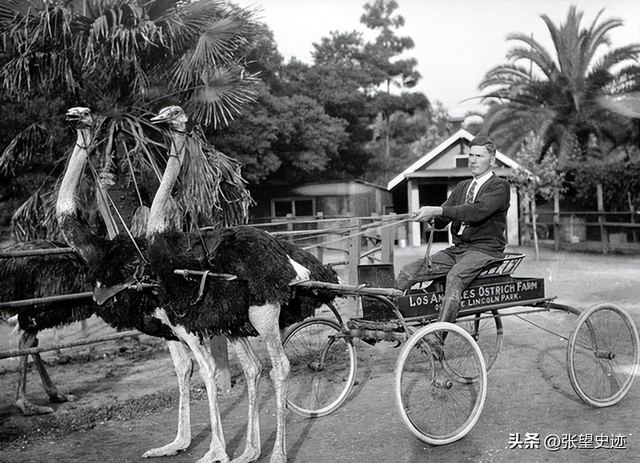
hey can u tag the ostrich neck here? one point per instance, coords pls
(76, 234)
(158, 214)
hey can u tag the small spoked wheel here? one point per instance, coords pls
(438, 407)
(323, 367)
(485, 329)
(603, 356)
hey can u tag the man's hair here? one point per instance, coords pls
(486, 142)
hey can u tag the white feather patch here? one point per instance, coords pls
(302, 271)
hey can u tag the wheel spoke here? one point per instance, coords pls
(434, 402)
(603, 355)
(323, 367)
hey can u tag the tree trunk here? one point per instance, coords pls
(556, 219)
(604, 236)
(534, 220)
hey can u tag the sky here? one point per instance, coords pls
(456, 41)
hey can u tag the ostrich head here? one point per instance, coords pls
(173, 116)
(80, 117)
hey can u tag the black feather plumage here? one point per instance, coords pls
(261, 264)
(41, 276)
(120, 263)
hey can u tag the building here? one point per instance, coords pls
(430, 180)
(335, 198)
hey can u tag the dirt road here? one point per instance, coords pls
(126, 396)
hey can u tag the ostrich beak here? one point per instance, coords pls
(160, 118)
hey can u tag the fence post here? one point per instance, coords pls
(604, 236)
(354, 249)
(633, 218)
(387, 234)
(220, 354)
(556, 220)
(319, 248)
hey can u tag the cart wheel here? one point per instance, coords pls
(437, 407)
(323, 367)
(602, 357)
(486, 330)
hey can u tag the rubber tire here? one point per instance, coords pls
(301, 350)
(439, 383)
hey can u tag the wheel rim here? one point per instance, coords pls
(322, 368)
(437, 406)
(603, 355)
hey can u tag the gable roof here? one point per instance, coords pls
(424, 160)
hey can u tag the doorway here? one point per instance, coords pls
(433, 194)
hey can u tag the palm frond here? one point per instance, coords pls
(212, 191)
(35, 140)
(221, 93)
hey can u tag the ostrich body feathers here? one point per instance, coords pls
(120, 263)
(261, 264)
(42, 276)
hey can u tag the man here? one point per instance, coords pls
(477, 209)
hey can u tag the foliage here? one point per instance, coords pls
(620, 181)
(534, 176)
(288, 135)
(124, 59)
(557, 97)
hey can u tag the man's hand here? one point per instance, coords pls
(426, 213)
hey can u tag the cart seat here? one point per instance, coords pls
(505, 266)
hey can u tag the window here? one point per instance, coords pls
(297, 207)
(462, 158)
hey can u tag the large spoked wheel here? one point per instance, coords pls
(323, 367)
(486, 330)
(602, 356)
(434, 403)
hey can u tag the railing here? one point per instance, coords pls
(603, 227)
(355, 238)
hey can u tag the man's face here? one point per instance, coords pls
(480, 161)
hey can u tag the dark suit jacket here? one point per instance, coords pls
(485, 219)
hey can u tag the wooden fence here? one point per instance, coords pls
(336, 241)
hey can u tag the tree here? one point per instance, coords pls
(557, 97)
(283, 139)
(124, 59)
(535, 178)
(381, 60)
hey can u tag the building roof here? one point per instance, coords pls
(453, 139)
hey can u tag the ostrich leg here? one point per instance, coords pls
(265, 320)
(207, 366)
(184, 369)
(52, 391)
(28, 340)
(252, 368)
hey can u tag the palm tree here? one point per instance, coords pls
(124, 59)
(556, 93)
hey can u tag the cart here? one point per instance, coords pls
(440, 397)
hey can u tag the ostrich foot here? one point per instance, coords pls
(214, 456)
(249, 455)
(171, 449)
(29, 409)
(58, 398)
(278, 457)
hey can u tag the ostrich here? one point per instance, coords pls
(116, 264)
(38, 276)
(254, 304)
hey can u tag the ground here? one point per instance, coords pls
(126, 393)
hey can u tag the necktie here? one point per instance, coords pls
(470, 193)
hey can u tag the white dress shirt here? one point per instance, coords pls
(479, 182)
